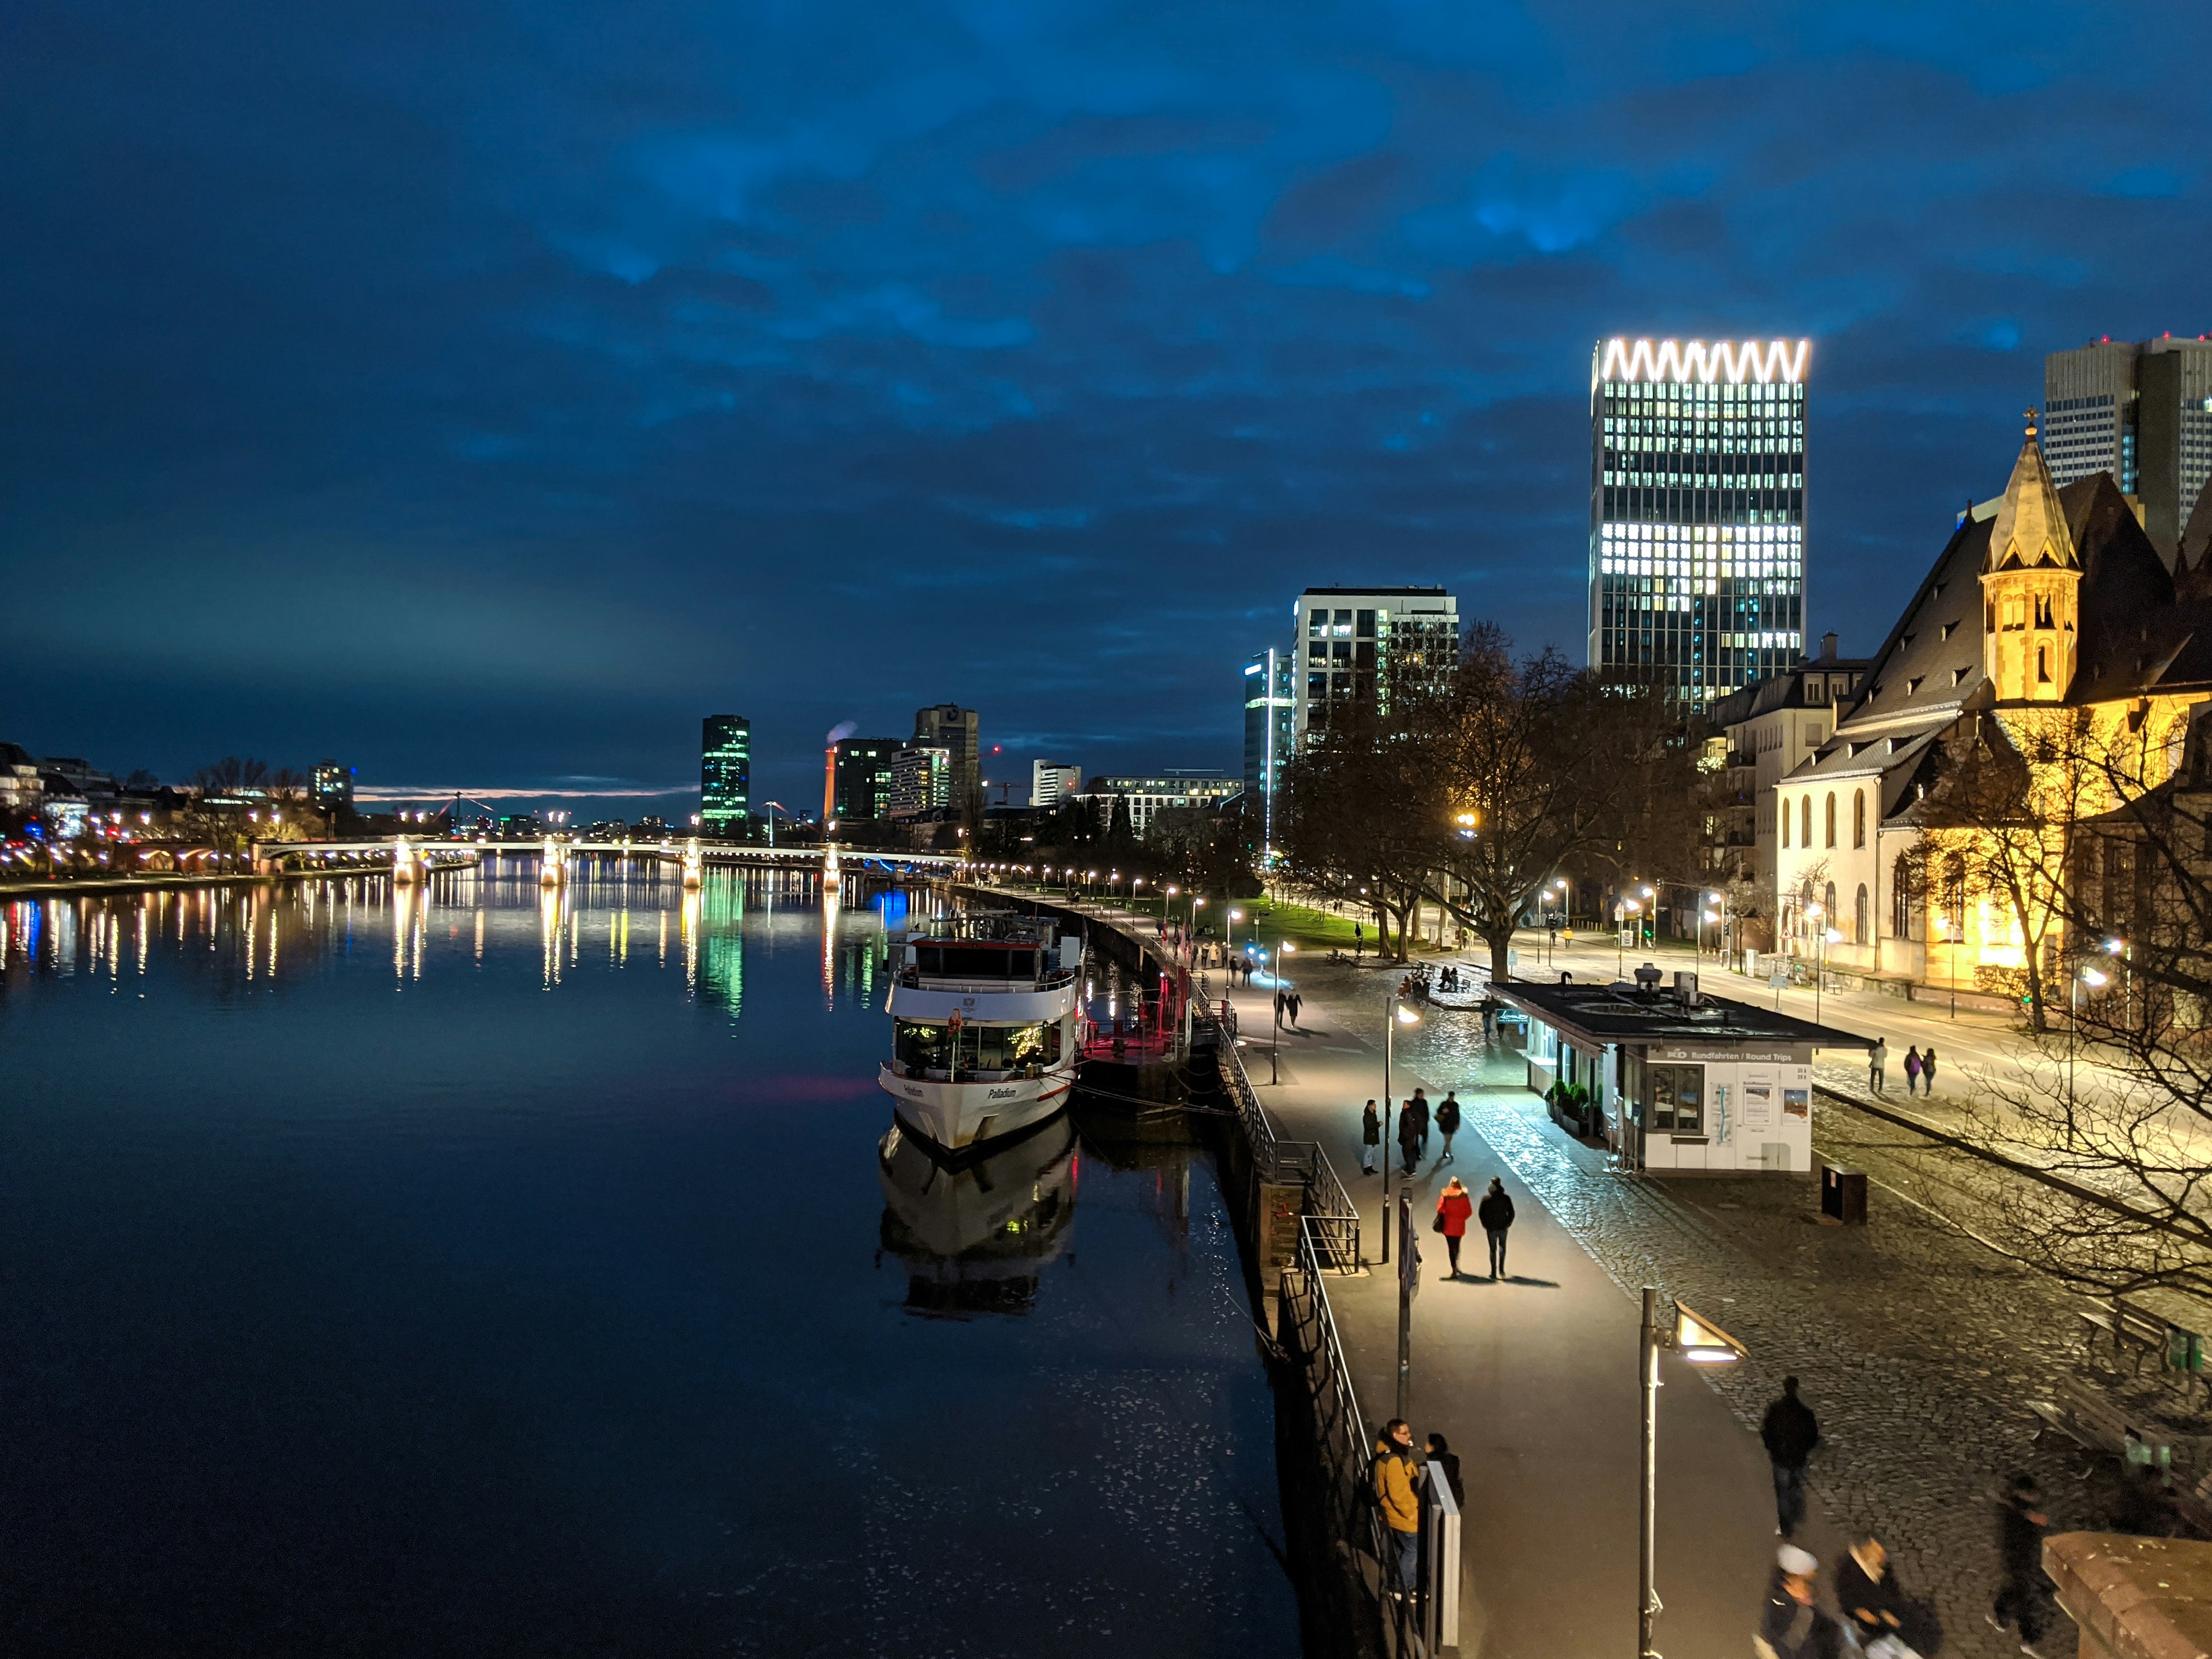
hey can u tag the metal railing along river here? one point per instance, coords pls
(1328, 1208)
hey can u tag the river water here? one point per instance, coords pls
(490, 1273)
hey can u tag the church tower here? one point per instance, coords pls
(2031, 587)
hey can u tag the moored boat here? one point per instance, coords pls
(983, 1028)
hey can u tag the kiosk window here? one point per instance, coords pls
(1676, 1097)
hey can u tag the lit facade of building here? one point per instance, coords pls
(2078, 628)
(949, 727)
(1697, 546)
(1271, 723)
(1052, 781)
(1356, 644)
(1202, 788)
(860, 779)
(331, 786)
(726, 774)
(2142, 412)
(921, 780)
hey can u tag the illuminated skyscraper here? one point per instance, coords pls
(949, 727)
(726, 774)
(1270, 722)
(1355, 645)
(860, 779)
(1696, 548)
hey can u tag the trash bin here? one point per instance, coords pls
(1843, 1195)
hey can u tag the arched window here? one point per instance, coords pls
(1859, 817)
(1953, 897)
(1904, 898)
(1785, 824)
(1831, 815)
(1860, 918)
(1829, 917)
(1805, 820)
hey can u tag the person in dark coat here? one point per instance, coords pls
(2021, 1524)
(1790, 1432)
(1790, 1626)
(1911, 1070)
(1409, 1139)
(1442, 1456)
(1495, 1212)
(1447, 1124)
(1370, 1138)
(1294, 1002)
(1418, 1107)
(1928, 1070)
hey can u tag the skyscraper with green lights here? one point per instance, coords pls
(726, 775)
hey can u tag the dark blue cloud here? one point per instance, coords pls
(479, 391)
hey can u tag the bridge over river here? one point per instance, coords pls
(408, 857)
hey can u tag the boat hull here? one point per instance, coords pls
(957, 1116)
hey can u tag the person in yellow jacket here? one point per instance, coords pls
(1395, 1495)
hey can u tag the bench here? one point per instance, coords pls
(2145, 1332)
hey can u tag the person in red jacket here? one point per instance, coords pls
(1454, 1207)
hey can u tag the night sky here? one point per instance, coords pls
(482, 394)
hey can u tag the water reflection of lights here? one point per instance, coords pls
(549, 935)
(830, 905)
(690, 924)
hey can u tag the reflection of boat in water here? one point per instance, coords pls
(975, 1235)
(983, 1038)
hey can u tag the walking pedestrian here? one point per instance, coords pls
(1370, 1138)
(1928, 1070)
(1442, 1456)
(2021, 1524)
(1418, 1106)
(1359, 939)
(1790, 1432)
(1296, 1002)
(1876, 1056)
(1447, 1124)
(1791, 1627)
(1489, 1020)
(1911, 1070)
(1495, 1215)
(1409, 1139)
(1393, 1494)
(1282, 1002)
(1454, 1206)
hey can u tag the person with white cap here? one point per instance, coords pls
(1790, 1626)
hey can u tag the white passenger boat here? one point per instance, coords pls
(976, 1233)
(984, 1036)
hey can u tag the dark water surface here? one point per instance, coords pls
(483, 1274)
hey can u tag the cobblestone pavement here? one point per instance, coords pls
(1916, 1347)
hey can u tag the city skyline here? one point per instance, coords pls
(433, 413)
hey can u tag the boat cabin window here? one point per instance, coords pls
(976, 961)
(981, 1047)
(1674, 1098)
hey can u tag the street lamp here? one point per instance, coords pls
(1701, 1342)
(1628, 907)
(1394, 1014)
(1283, 948)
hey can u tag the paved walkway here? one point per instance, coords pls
(1534, 1381)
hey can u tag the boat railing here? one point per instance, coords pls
(962, 1074)
(914, 980)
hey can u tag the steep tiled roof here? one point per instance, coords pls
(1932, 660)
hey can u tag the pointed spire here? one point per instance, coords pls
(2030, 529)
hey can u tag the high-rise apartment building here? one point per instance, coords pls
(726, 774)
(921, 780)
(1052, 781)
(1696, 548)
(1357, 646)
(953, 728)
(1271, 715)
(860, 779)
(331, 786)
(2142, 412)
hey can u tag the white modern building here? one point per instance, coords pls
(1697, 546)
(1052, 781)
(1355, 645)
(921, 778)
(1200, 788)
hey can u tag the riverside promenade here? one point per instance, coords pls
(1532, 1379)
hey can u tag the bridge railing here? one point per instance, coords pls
(1327, 1206)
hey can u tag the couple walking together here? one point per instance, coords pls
(1495, 1212)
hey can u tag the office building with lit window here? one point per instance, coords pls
(1192, 788)
(860, 779)
(2142, 412)
(1696, 548)
(921, 780)
(726, 774)
(1271, 715)
(331, 786)
(1356, 645)
(949, 727)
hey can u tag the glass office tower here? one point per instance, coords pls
(1270, 721)
(726, 774)
(2141, 410)
(1696, 548)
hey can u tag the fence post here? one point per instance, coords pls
(1440, 1569)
